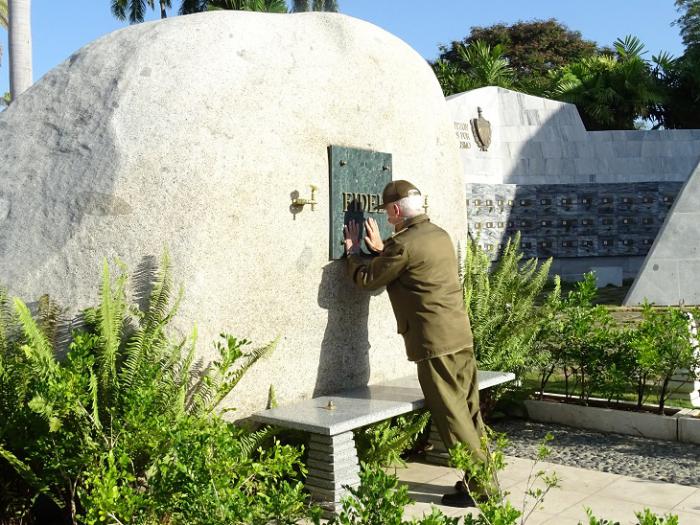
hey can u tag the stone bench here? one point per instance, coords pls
(332, 460)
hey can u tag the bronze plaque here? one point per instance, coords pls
(357, 178)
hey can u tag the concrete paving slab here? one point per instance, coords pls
(586, 481)
(645, 492)
(555, 502)
(610, 508)
(691, 504)
(611, 496)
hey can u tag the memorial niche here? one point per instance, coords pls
(357, 179)
(559, 212)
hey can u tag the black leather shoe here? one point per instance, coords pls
(458, 499)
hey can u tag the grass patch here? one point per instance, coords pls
(557, 385)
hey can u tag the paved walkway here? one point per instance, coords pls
(612, 496)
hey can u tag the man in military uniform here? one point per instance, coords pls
(418, 266)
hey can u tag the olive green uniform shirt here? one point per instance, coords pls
(418, 266)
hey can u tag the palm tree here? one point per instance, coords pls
(611, 91)
(452, 79)
(299, 6)
(486, 65)
(266, 6)
(3, 20)
(480, 65)
(20, 44)
(135, 10)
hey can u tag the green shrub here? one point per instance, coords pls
(380, 499)
(663, 345)
(597, 354)
(588, 336)
(124, 428)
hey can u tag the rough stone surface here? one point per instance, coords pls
(670, 272)
(191, 134)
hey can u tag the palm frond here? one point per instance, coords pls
(134, 10)
(500, 298)
(629, 47)
(4, 20)
(48, 314)
(192, 6)
(300, 6)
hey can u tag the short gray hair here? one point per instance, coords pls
(412, 205)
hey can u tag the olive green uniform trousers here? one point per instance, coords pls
(451, 393)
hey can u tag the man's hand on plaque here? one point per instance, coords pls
(351, 233)
(373, 239)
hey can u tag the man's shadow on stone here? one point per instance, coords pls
(344, 359)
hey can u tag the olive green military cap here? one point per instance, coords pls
(397, 190)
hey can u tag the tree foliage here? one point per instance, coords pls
(4, 21)
(299, 6)
(689, 21)
(612, 90)
(135, 10)
(681, 109)
(531, 49)
(479, 65)
(612, 87)
(265, 6)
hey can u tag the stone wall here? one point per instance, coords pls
(193, 134)
(585, 198)
(540, 141)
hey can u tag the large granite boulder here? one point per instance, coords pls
(191, 134)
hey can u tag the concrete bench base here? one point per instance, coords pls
(333, 463)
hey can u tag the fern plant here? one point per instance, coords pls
(502, 303)
(127, 427)
(384, 443)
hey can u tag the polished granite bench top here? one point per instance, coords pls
(361, 406)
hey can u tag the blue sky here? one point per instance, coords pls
(62, 26)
